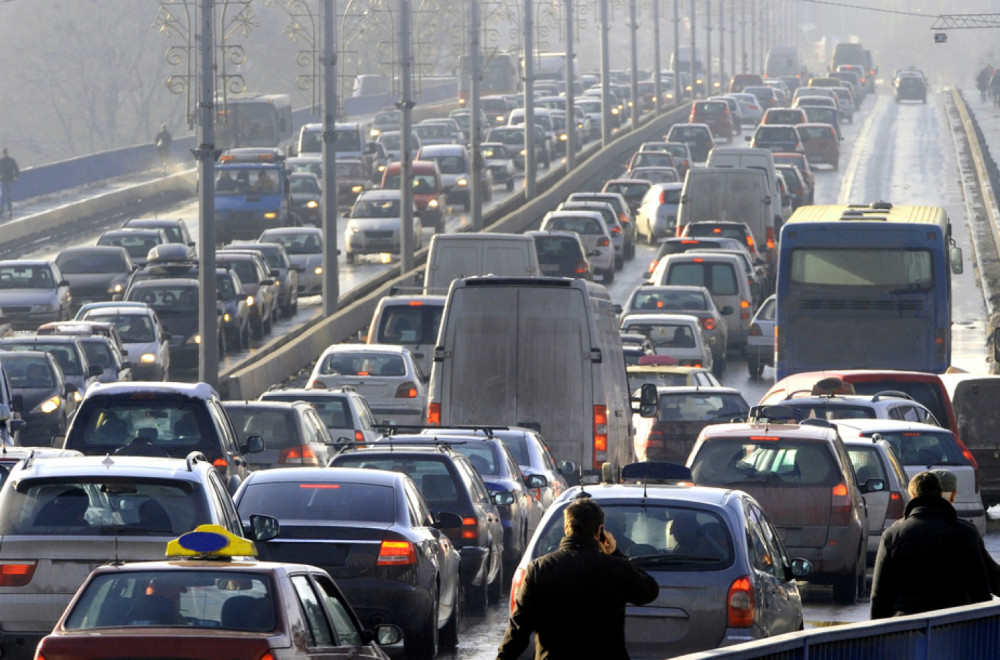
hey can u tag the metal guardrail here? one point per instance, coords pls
(971, 632)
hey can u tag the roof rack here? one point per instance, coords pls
(193, 458)
(774, 413)
(655, 472)
(891, 394)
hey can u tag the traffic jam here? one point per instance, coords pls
(742, 369)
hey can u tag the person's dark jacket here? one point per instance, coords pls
(574, 599)
(9, 170)
(928, 561)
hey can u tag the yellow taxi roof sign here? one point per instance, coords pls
(210, 541)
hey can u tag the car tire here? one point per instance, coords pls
(609, 276)
(267, 325)
(423, 644)
(245, 338)
(510, 184)
(619, 262)
(475, 598)
(448, 636)
(258, 330)
(350, 258)
(848, 588)
(755, 367)
(494, 592)
(719, 366)
(294, 307)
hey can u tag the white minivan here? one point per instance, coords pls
(538, 352)
(754, 158)
(453, 256)
(723, 275)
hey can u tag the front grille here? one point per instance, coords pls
(375, 235)
(16, 309)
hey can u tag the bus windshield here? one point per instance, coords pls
(909, 270)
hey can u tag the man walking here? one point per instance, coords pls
(928, 560)
(574, 598)
(9, 173)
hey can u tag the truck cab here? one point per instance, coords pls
(252, 193)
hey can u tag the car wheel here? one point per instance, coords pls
(719, 367)
(294, 308)
(495, 591)
(267, 325)
(755, 368)
(510, 184)
(848, 587)
(258, 330)
(609, 275)
(475, 598)
(350, 258)
(423, 643)
(448, 637)
(619, 262)
(245, 338)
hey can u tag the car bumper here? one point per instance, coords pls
(402, 415)
(473, 565)
(39, 429)
(29, 320)
(762, 351)
(384, 601)
(971, 511)
(832, 561)
(20, 645)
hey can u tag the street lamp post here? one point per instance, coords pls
(708, 47)
(529, 104)
(657, 75)
(605, 77)
(691, 55)
(678, 88)
(634, 27)
(331, 275)
(570, 90)
(476, 185)
(405, 155)
(208, 322)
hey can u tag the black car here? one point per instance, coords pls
(68, 353)
(374, 533)
(175, 229)
(698, 137)
(95, 272)
(562, 254)
(258, 284)
(48, 402)
(176, 302)
(910, 88)
(449, 483)
(284, 273)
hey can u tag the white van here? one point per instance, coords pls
(543, 353)
(452, 256)
(758, 159)
(723, 275)
(733, 194)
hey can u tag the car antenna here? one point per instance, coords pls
(583, 490)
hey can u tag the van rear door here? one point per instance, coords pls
(974, 399)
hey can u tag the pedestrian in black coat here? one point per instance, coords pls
(574, 598)
(928, 560)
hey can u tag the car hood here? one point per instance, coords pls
(28, 296)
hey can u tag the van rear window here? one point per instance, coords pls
(718, 278)
(409, 324)
(742, 462)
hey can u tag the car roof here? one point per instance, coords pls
(193, 390)
(148, 467)
(888, 425)
(661, 319)
(704, 495)
(772, 429)
(366, 348)
(381, 193)
(685, 389)
(325, 475)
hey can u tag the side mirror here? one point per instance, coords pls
(95, 370)
(617, 308)
(166, 335)
(567, 467)
(536, 481)
(873, 486)
(727, 310)
(447, 520)
(955, 256)
(267, 282)
(748, 138)
(16, 424)
(648, 401)
(503, 498)
(70, 388)
(254, 445)
(800, 568)
(386, 634)
(263, 528)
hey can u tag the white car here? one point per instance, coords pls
(144, 339)
(760, 338)
(374, 225)
(593, 232)
(304, 246)
(386, 375)
(679, 336)
(657, 214)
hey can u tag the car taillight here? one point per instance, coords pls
(663, 197)
(581, 268)
(267, 656)
(470, 528)
(407, 391)
(359, 436)
(940, 344)
(655, 437)
(396, 553)
(600, 436)
(515, 584)
(894, 511)
(755, 330)
(616, 230)
(841, 505)
(603, 241)
(740, 604)
(623, 218)
(16, 573)
(770, 241)
(744, 309)
(301, 455)
(434, 414)
(316, 384)
(220, 464)
(652, 266)
(708, 323)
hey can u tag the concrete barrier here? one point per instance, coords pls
(257, 373)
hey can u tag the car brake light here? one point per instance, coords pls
(434, 414)
(755, 330)
(603, 242)
(940, 344)
(652, 266)
(16, 574)
(708, 323)
(616, 230)
(267, 656)
(894, 511)
(600, 436)
(744, 309)
(396, 553)
(655, 437)
(740, 604)
(220, 464)
(406, 391)
(515, 584)
(581, 268)
(301, 455)
(770, 241)
(316, 384)
(698, 260)
(623, 218)
(841, 505)
(663, 197)
(470, 528)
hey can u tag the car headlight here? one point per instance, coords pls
(270, 215)
(381, 168)
(226, 318)
(462, 182)
(250, 301)
(193, 339)
(375, 132)
(357, 189)
(147, 358)
(77, 397)
(318, 270)
(312, 204)
(116, 288)
(614, 111)
(563, 137)
(50, 405)
(524, 152)
(48, 307)
(432, 204)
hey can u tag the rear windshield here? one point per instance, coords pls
(579, 225)
(277, 427)
(66, 355)
(632, 190)
(672, 378)
(711, 229)
(363, 364)
(557, 247)
(775, 133)
(409, 324)
(718, 278)
(439, 486)
(178, 298)
(109, 505)
(664, 333)
(334, 411)
(325, 501)
(925, 448)
(653, 159)
(930, 395)
(671, 300)
(816, 132)
(91, 263)
(296, 243)
(132, 328)
(701, 407)
(740, 462)
(661, 537)
(99, 352)
(176, 425)
(176, 598)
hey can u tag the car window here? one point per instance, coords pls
(99, 353)
(672, 300)
(132, 328)
(762, 543)
(363, 364)
(223, 503)
(95, 506)
(65, 354)
(439, 486)
(482, 456)
(409, 324)
(732, 462)
(700, 406)
(345, 627)
(28, 373)
(866, 463)
(318, 631)
(320, 500)
(718, 278)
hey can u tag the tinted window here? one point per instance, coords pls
(669, 300)
(25, 372)
(81, 263)
(921, 448)
(99, 352)
(363, 364)
(320, 501)
(66, 354)
(27, 277)
(409, 324)
(132, 328)
(439, 486)
(720, 279)
(737, 462)
(700, 406)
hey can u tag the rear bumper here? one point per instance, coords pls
(383, 601)
(20, 645)
(473, 567)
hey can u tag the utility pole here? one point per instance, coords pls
(605, 75)
(691, 56)
(634, 27)
(405, 152)
(657, 64)
(722, 46)
(708, 48)
(529, 104)
(208, 322)
(476, 185)
(331, 274)
(570, 90)
(678, 87)
(732, 37)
